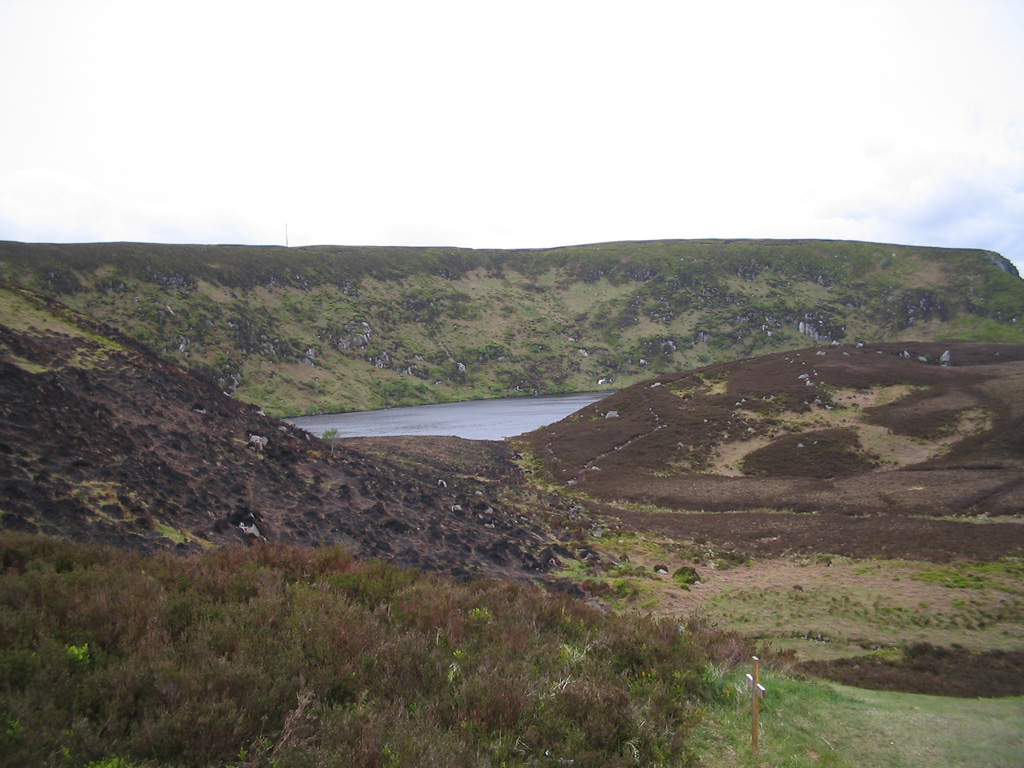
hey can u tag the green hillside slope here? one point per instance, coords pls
(323, 329)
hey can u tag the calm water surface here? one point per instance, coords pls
(475, 419)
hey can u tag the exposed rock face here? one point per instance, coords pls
(1002, 262)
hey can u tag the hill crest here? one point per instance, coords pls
(327, 329)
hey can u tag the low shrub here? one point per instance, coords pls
(685, 576)
(822, 454)
(284, 656)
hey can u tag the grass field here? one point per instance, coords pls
(828, 607)
(819, 607)
(821, 724)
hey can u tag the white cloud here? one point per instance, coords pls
(42, 202)
(512, 124)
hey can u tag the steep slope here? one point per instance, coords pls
(870, 440)
(326, 329)
(102, 441)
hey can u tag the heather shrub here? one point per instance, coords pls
(821, 453)
(280, 656)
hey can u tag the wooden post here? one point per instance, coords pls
(757, 693)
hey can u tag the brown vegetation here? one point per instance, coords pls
(812, 432)
(297, 656)
(925, 668)
(101, 441)
(867, 451)
(875, 451)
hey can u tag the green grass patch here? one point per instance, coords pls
(178, 536)
(811, 724)
(1005, 574)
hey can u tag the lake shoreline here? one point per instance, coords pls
(494, 419)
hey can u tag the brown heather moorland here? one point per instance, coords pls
(857, 508)
(101, 441)
(861, 496)
(854, 450)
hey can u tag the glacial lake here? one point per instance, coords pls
(473, 419)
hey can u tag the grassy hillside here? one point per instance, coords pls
(805, 724)
(322, 329)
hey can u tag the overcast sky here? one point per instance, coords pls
(512, 124)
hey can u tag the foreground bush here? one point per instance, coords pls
(293, 657)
